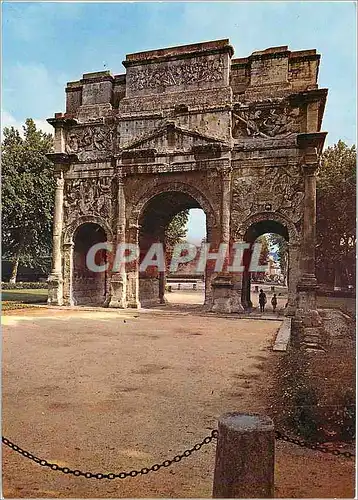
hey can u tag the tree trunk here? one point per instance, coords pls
(15, 268)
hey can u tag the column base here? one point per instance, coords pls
(55, 290)
(308, 322)
(225, 298)
(118, 292)
(134, 305)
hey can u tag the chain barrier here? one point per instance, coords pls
(166, 463)
(313, 446)
(112, 475)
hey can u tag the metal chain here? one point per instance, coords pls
(165, 463)
(317, 446)
(111, 475)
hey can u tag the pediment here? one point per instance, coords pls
(171, 137)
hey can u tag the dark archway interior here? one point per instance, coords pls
(161, 209)
(253, 232)
(89, 287)
(263, 227)
(154, 220)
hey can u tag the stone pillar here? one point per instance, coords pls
(55, 279)
(307, 315)
(245, 457)
(118, 286)
(292, 278)
(133, 270)
(225, 294)
(225, 204)
(67, 273)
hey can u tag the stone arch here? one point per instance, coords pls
(293, 239)
(68, 254)
(71, 229)
(143, 200)
(293, 235)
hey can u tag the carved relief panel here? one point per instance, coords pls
(206, 70)
(91, 142)
(274, 189)
(267, 121)
(91, 196)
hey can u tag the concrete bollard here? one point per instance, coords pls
(245, 457)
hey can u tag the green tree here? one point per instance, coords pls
(27, 196)
(336, 215)
(176, 230)
(264, 255)
(281, 246)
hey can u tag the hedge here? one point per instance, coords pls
(26, 285)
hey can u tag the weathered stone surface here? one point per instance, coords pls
(245, 457)
(239, 138)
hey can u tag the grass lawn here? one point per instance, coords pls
(17, 299)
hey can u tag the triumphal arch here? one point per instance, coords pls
(188, 127)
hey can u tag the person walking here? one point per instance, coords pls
(262, 300)
(274, 302)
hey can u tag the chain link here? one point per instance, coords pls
(112, 475)
(316, 446)
(165, 463)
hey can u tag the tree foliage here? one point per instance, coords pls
(27, 196)
(264, 255)
(336, 215)
(281, 246)
(176, 230)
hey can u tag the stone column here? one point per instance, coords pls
(226, 289)
(68, 273)
(55, 280)
(226, 204)
(292, 278)
(119, 278)
(133, 270)
(307, 313)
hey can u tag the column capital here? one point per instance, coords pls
(226, 172)
(309, 169)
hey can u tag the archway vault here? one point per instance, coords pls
(191, 196)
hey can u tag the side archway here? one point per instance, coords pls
(81, 285)
(250, 230)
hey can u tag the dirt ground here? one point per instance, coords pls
(113, 390)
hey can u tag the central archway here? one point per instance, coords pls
(154, 219)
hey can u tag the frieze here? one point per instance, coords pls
(90, 196)
(211, 70)
(278, 121)
(277, 189)
(91, 141)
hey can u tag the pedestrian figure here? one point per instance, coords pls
(262, 300)
(274, 302)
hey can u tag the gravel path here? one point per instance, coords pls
(110, 390)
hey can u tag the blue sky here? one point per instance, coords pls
(47, 44)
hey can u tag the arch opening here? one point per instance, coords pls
(273, 237)
(88, 287)
(164, 220)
